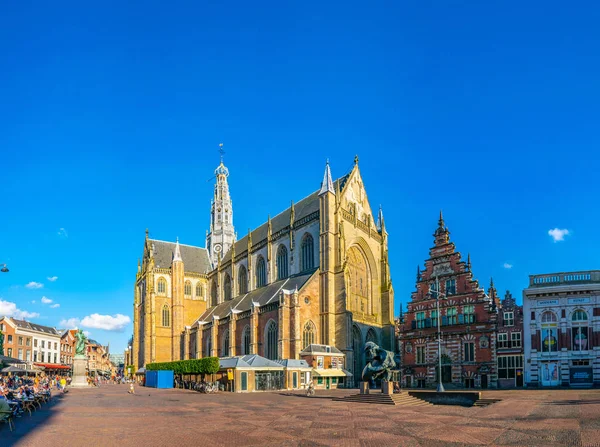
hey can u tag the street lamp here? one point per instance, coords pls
(438, 297)
(4, 268)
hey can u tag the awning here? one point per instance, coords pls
(141, 371)
(10, 360)
(333, 372)
(52, 366)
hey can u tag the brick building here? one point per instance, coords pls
(16, 344)
(67, 347)
(509, 343)
(468, 323)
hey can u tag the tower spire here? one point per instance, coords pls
(177, 254)
(327, 184)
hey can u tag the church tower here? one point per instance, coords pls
(221, 235)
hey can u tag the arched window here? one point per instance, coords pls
(308, 335)
(199, 291)
(187, 289)
(580, 331)
(549, 332)
(213, 293)
(271, 341)
(207, 345)
(372, 336)
(579, 315)
(358, 292)
(227, 287)
(307, 259)
(242, 280)
(166, 316)
(162, 286)
(225, 352)
(282, 262)
(246, 341)
(261, 272)
(549, 317)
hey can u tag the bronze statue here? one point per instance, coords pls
(80, 343)
(379, 363)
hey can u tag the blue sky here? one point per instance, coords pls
(111, 118)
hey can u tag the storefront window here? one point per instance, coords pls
(579, 331)
(549, 332)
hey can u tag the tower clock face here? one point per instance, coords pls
(218, 248)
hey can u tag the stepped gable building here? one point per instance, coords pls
(468, 323)
(562, 329)
(317, 272)
(509, 343)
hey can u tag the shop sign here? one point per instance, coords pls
(581, 375)
(579, 300)
(547, 303)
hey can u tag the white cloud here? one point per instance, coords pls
(507, 265)
(34, 285)
(52, 278)
(71, 323)
(558, 234)
(106, 322)
(46, 300)
(62, 233)
(87, 333)
(54, 306)
(33, 302)
(10, 310)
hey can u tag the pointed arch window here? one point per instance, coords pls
(242, 280)
(261, 272)
(246, 341)
(307, 258)
(162, 286)
(187, 289)
(213, 293)
(271, 341)
(166, 316)
(372, 336)
(227, 287)
(308, 335)
(225, 352)
(207, 345)
(199, 291)
(282, 262)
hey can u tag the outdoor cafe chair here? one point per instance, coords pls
(7, 418)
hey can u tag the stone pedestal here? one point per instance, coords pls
(387, 387)
(79, 379)
(364, 387)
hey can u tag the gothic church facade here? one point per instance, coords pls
(317, 272)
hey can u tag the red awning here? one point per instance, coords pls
(52, 366)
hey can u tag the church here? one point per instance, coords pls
(317, 272)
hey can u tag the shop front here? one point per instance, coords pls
(581, 376)
(330, 378)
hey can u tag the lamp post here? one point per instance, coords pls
(4, 268)
(438, 296)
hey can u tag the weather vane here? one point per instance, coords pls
(221, 151)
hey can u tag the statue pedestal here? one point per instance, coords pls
(364, 387)
(387, 387)
(79, 379)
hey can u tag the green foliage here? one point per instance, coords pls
(206, 365)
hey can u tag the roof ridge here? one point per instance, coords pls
(180, 244)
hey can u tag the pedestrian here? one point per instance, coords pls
(131, 389)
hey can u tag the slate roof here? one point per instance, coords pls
(256, 361)
(195, 259)
(262, 296)
(293, 363)
(303, 208)
(320, 349)
(35, 327)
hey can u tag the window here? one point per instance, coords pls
(213, 293)
(43, 344)
(469, 312)
(242, 280)
(451, 314)
(55, 345)
(307, 260)
(43, 354)
(55, 357)
(469, 352)
(20, 357)
(508, 365)
(28, 341)
(549, 317)
(199, 291)
(433, 291)
(579, 331)
(261, 272)
(208, 345)
(227, 287)
(549, 332)
(420, 354)
(434, 316)
(515, 339)
(27, 355)
(187, 289)
(502, 340)
(450, 287)
(271, 341)
(166, 316)
(35, 356)
(308, 335)
(9, 340)
(161, 286)
(246, 341)
(282, 262)
(21, 342)
(35, 342)
(509, 319)
(225, 352)
(420, 320)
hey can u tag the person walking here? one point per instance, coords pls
(131, 389)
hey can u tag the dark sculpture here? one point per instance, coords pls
(379, 363)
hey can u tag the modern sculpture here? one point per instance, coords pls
(80, 361)
(379, 366)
